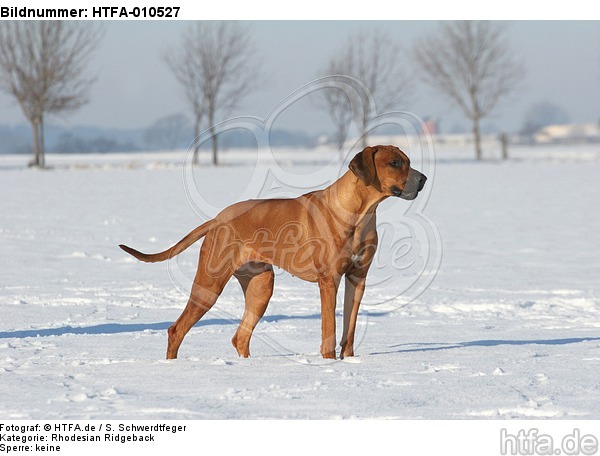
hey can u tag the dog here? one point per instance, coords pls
(320, 237)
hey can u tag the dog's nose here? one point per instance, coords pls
(422, 180)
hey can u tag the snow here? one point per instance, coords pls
(508, 326)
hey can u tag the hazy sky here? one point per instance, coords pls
(134, 87)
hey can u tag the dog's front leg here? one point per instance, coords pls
(328, 287)
(353, 293)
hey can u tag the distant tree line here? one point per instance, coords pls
(68, 143)
(160, 136)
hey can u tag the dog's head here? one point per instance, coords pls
(387, 169)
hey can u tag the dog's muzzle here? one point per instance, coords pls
(414, 184)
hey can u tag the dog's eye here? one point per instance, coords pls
(395, 164)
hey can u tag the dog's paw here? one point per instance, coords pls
(348, 353)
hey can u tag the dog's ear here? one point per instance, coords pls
(363, 165)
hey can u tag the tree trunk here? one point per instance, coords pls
(341, 140)
(196, 140)
(504, 145)
(42, 163)
(477, 137)
(214, 147)
(213, 136)
(364, 133)
(36, 143)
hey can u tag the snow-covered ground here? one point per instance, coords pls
(509, 327)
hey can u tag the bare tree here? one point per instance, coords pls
(375, 61)
(186, 65)
(471, 63)
(215, 64)
(42, 66)
(336, 102)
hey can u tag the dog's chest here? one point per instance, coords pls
(360, 243)
(357, 257)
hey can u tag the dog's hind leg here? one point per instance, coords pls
(257, 281)
(208, 285)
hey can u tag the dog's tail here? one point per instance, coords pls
(192, 237)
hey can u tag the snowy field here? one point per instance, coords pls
(508, 328)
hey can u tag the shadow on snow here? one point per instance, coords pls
(117, 328)
(424, 347)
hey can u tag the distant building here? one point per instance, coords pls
(568, 134)
(430, 126)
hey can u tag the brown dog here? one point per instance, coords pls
(320, 237)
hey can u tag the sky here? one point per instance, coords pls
(134, 86)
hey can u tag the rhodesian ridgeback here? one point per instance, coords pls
(320, 237)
